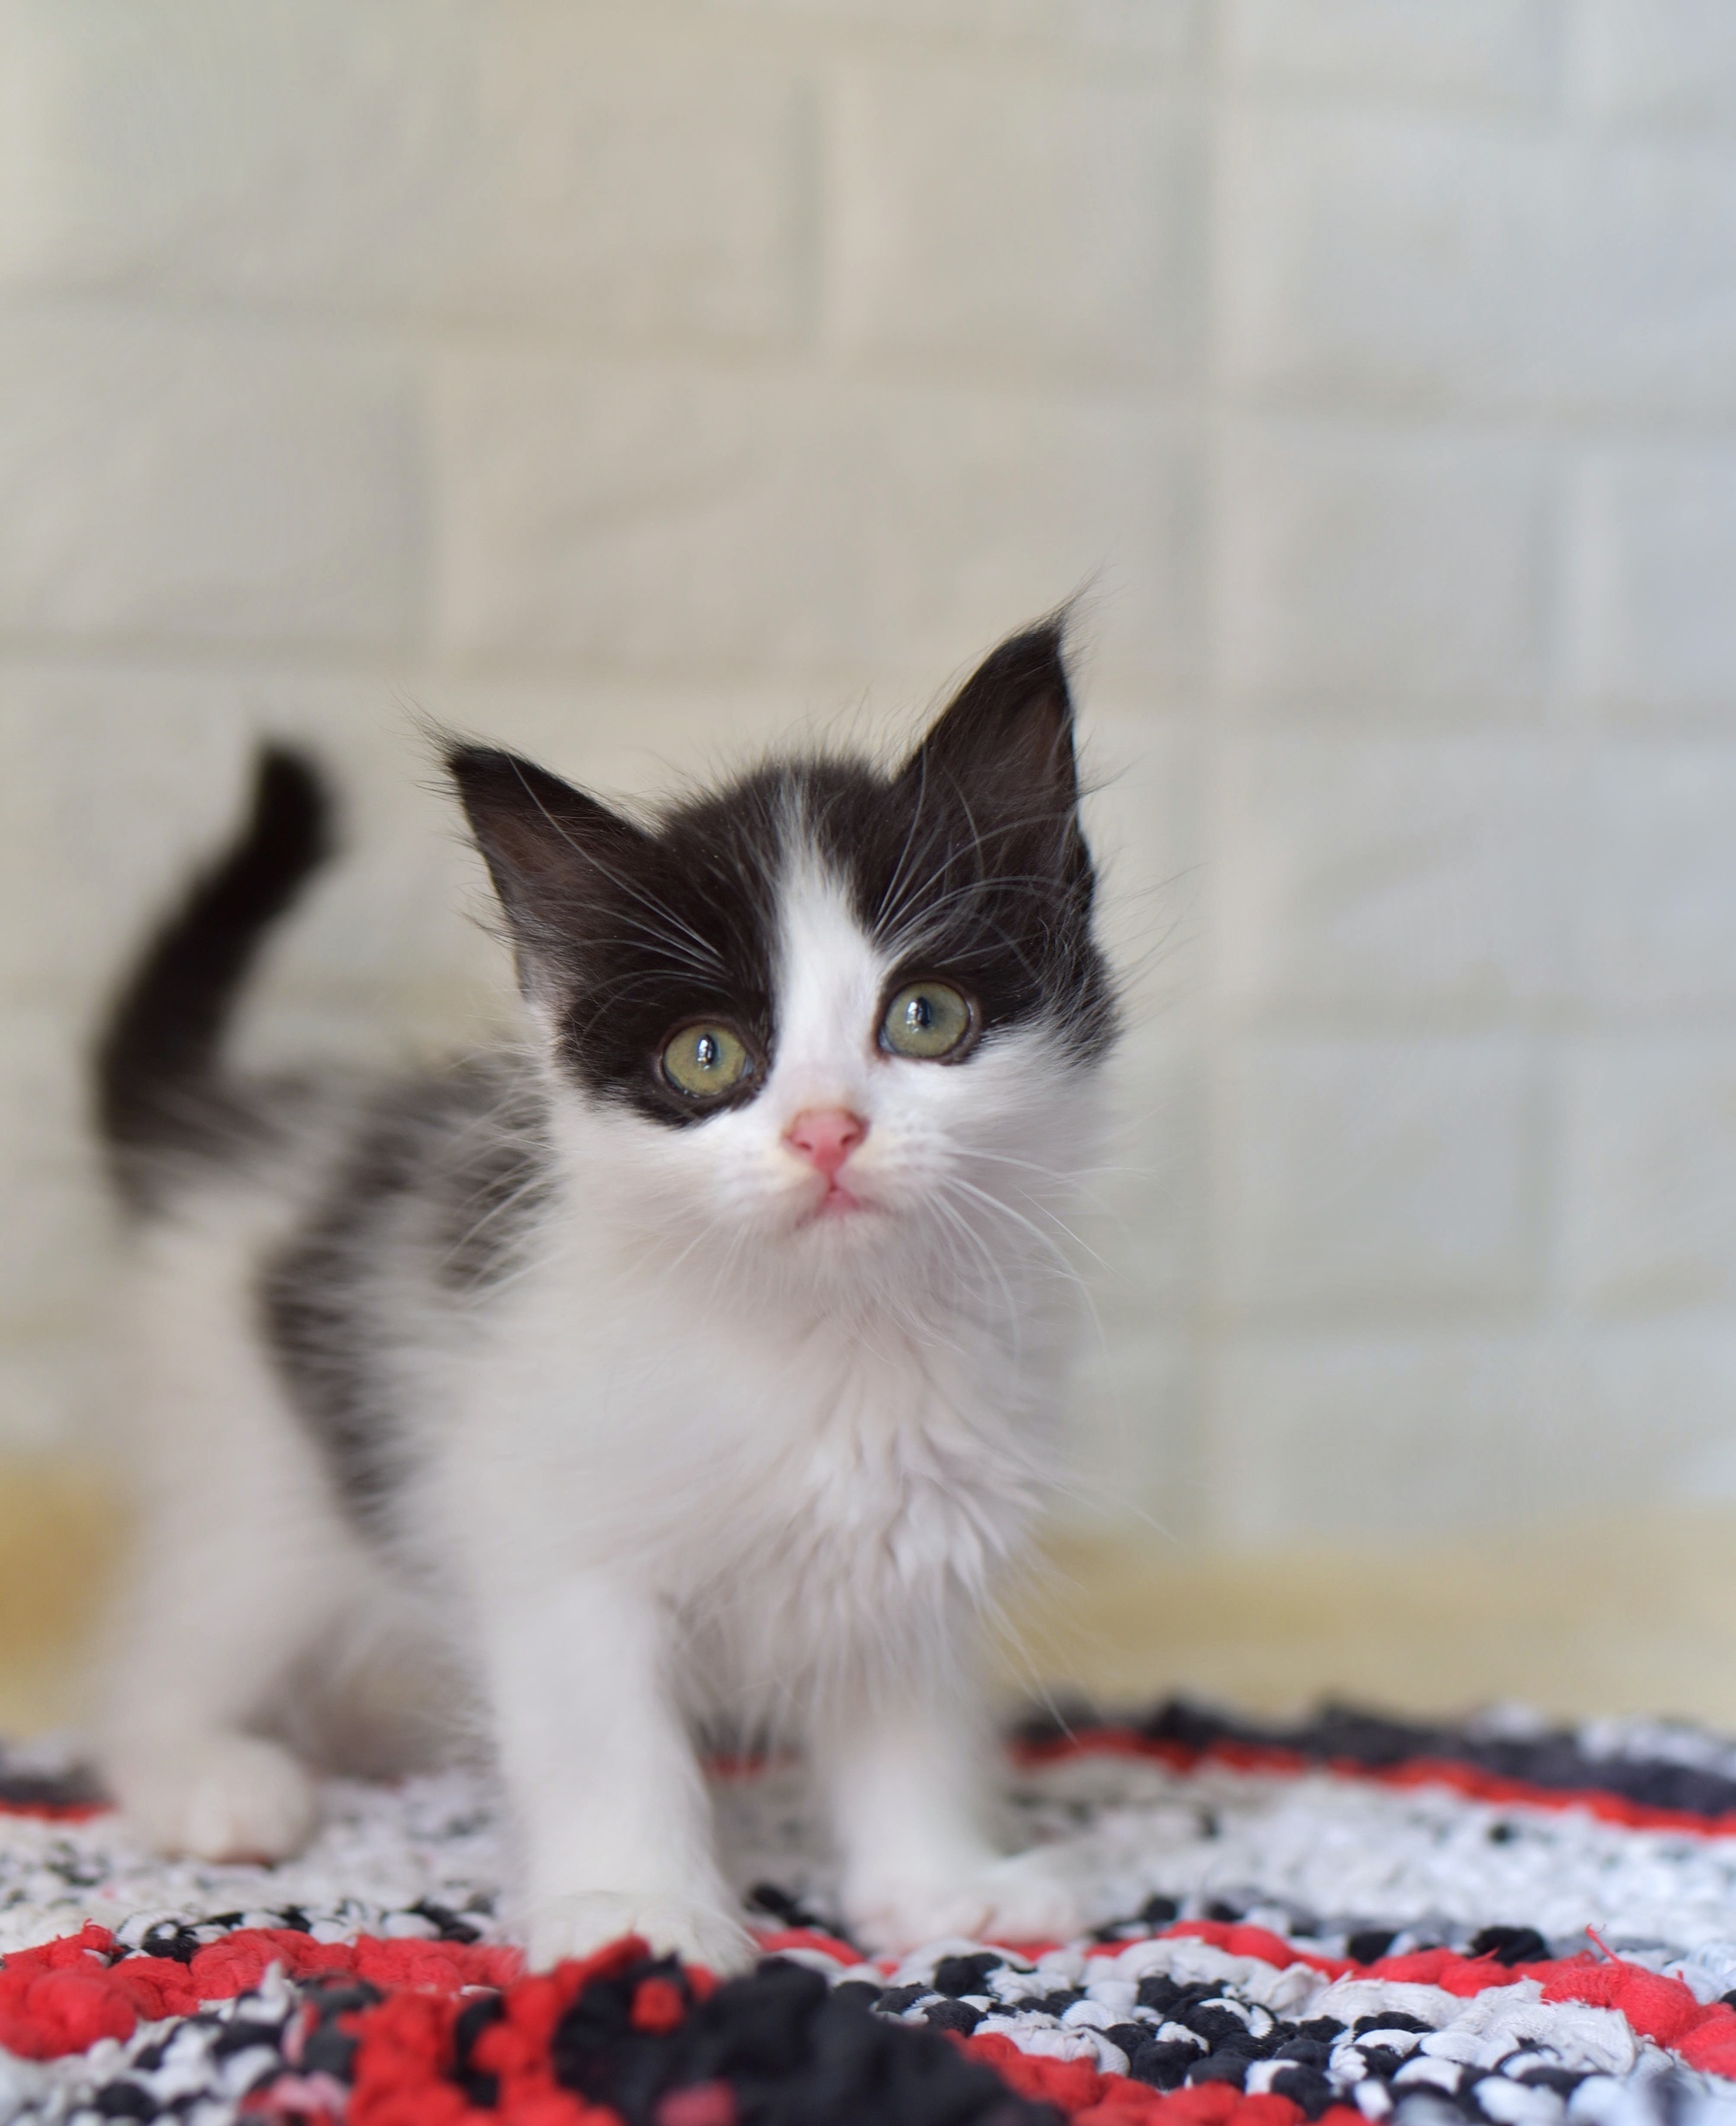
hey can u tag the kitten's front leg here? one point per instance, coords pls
(607, 1798)
(907, 1776)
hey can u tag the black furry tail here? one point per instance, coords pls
(159, 1091)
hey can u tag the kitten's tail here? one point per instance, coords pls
(159, 1090)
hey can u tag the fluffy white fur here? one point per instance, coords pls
(706, 1455)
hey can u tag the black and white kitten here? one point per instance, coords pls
(691, 1367)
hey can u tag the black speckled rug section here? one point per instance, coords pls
(1656, 1764)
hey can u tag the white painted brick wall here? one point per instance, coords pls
(1494, 51)
(190, 481)
(991, 216)
(1650, 563)
(1364, 873)
(635, 384)
(1374, 561)
(1374, 1174)
(1660, 62)
(1649, 1132)
(1401, 256)
(672, 518)
(1429, 1431)
(1659, 916)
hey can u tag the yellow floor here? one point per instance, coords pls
(58, 1532)
(1636, 1618)
(1574, 1620)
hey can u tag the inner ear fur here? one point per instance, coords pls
(551, 849)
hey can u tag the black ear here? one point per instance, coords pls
(1005, 741)
(552, 851)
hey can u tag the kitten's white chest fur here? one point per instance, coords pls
(803, 1493)
(694, 1366)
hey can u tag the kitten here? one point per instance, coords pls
(691, 1367)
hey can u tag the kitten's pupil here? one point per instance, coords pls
(918, 1014)
(706, 1052)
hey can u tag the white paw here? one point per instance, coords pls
(219, 1797)
(577, 1927)
(1021, 1899)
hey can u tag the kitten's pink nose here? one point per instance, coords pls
(827, 1136)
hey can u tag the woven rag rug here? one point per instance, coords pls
(1353, 1919)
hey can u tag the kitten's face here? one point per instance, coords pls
(826, 1020)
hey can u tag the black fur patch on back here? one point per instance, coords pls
(967, 863)
(444, 1176)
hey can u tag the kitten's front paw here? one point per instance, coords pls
(577, 1927)
(1020, 1898)
(218, 1797)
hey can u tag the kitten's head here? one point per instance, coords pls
(825, 1025)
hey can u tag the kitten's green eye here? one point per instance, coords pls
(705, 1061)
(929, 1019)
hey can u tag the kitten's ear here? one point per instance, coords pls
(1006, 738)
(551, 849)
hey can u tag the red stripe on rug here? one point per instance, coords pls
(1659, 2008)
(66, 1994)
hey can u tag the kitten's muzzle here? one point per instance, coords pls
(826, 1137)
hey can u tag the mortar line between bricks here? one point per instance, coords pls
(434, 336)
(262, 661)
(1214, 1306)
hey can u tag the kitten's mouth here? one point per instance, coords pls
(839, 1201)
